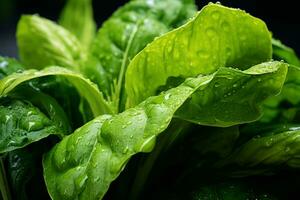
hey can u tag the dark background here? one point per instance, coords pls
(282, 17)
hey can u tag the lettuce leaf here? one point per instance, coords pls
(83, 165)
(77, 17)
(216, 37)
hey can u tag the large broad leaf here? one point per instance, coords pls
(83, 165)
(127, 32)
(42, 43)
(216, 37)
(85, 87)
(77, 17)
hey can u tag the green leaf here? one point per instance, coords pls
(83, 165)
(24, 170)
(85, 87)
(285, 106)
(282, 52)
(9, 66)
(42, 43)
(272, 149)
(77, 17)
(216, 37)
(231, 101)
(127, 32)
(22, 123)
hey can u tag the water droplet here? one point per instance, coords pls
(125, 150)
(235, 85)
(82, 181)
(31, 125)
(203, 54)
(211, 32)
(228, 52)
(148, 144)
(124, 126)
(215, 15)
(269, 142)
(287, 149)
(3, 64)
(225, 26)
(217, 85)
(29, 113)
(259, 80)
(7, 118)
(167, 96)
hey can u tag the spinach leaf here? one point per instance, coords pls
(127, 32)
(42, 43)
(234, 104)
(273, 149)
(77, 17)
(85, 87)
(83, 165)
(22, 123)
(216, 37)
(24, 172)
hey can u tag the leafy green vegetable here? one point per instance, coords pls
(43, 43)
(22, 124)
(86, 88)
(9, 66)
(209, 40)
(85, 163)
(77, 17)
(272, 149)
(282, 52)
(24, 170)
(285, 107)
(200, 94)
(127, 32)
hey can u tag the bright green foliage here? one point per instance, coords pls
(201, 46)
(77, 17)
(199, 92)
(9, 66)
(126, 33)
(43, 43)
(272, 149)
(83, 165)
(22, 124)
(85, 87)
(285, 107)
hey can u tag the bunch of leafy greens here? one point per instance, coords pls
(200, 92)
